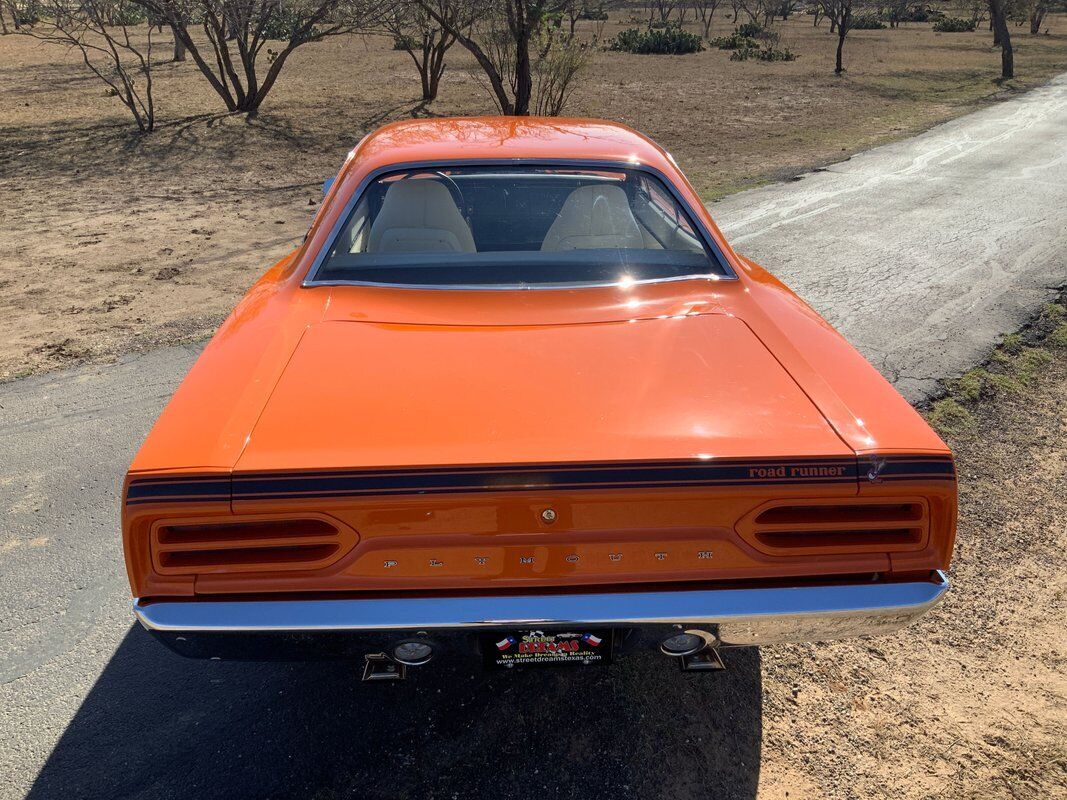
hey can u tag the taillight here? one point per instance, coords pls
(859, 526)
(255, 546)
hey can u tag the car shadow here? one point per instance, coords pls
(157, 725)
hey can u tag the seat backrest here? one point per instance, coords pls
(594, 217)
(419, 216)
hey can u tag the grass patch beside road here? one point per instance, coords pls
(1013, 368)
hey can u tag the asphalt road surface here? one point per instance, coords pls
(923, 252)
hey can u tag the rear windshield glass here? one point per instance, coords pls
(516, 226)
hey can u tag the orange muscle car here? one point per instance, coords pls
(516, 395)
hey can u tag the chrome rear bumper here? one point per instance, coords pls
(749, 616)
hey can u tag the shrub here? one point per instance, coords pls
(753, 30)
(658, 24)
(561, 59)
(734, 41)
(671, 40)
(763, 54)
(954, 25)
(867, 22)
(282, 24)
(596, 14)
(28, 13)
(406, 43)
(921, 14)
(127, 13)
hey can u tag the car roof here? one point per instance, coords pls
(458, 138)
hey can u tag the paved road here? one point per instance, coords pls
(922, 252)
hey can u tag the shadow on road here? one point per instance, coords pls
(156, 725)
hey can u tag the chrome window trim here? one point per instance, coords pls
(513, 287)
(311, 281)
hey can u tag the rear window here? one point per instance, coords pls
(516, 227)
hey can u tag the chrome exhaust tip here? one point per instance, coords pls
(686, 643)
(412, 652)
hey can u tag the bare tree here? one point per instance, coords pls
(573, 10)
(787, 8)
(998, 14)
(839, 12)
(159, 23)
(894, 11)
(237, 31)
(100, 31)
(500, 41)
(760, 12)
(559, 60)
(705, 10)
(662, 9)
(976, 9)
(23, 14)
(424, 39)
(1038, 10)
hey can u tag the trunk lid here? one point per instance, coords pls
(359, 395)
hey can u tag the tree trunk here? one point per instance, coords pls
(521, 27)
(1036, 18)
(842, 31)
(434, 84)
(179, 48)
(999, 13)
(437, 64)
(523, 78)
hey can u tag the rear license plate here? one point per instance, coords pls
(526, 648)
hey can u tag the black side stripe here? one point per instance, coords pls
(896, 468)
(533, 478)
(336, 483)
(204, 488)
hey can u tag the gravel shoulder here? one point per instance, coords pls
(972, 701)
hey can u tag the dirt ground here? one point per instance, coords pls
(112, 242)
(972, 701)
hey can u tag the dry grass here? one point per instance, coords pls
(114, 241)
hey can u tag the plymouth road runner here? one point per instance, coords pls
(516, 398)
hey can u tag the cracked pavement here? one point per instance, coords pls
(922, 253)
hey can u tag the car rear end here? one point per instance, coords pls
(496, 563)
(515, 397)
